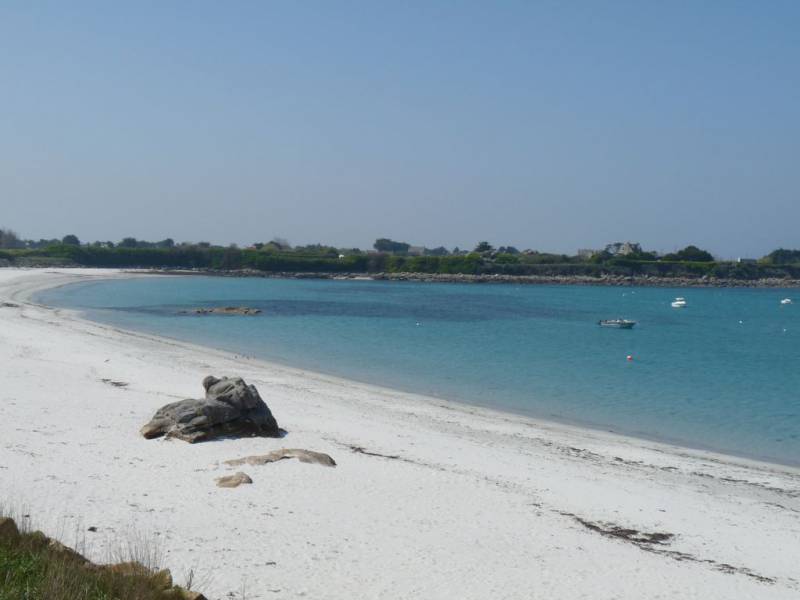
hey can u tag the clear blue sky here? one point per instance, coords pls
(550, 125)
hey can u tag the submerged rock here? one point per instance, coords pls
(223, 310)
(235, 480)
(231, 408)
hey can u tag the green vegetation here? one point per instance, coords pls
(278, 256)
(387, 245)
(690, 254)
(9, 239)
(34, 567)
(782, 257)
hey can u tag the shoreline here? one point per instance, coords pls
(555, 280)
(450, 403)
(578, 426)
(579, 455)
(606, 281)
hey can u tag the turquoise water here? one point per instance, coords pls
(723, 373)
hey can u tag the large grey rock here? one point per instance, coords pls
(231, 408)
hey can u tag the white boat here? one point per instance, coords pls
(679, 303)
(617, 323)
(786, 301)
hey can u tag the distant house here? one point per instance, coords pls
(747, 261)
(623, 248)
(416, 250)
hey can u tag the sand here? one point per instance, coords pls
(429, 499)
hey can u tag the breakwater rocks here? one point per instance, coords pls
(604, 280)
(607, 280)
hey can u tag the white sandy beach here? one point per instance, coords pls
(474, 503)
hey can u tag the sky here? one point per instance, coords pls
(545, 125)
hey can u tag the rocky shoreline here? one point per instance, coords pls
(606, 280)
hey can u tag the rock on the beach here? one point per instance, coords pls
(231, 408)
(306, 456)
(159, 580)
(8, 530)
(235, 480)
(65, 552)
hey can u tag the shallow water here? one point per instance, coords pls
(723, 373)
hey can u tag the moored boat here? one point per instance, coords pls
(678, 302)
(786, 301)
(617, 323)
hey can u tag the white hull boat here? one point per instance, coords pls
(679, 303)
(617, 323)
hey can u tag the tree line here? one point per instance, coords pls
(391, 256)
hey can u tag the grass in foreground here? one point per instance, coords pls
(34, 567)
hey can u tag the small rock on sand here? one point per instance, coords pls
(235, 480)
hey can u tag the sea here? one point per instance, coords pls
(721, 374)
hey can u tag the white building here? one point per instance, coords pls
(623, 248)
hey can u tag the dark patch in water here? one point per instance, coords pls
(433, 309)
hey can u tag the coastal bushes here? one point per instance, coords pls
(782, 256)
(690, 254)
(94, 256)
(468, 264)
(277, 258)
(286, 262)
(751, 271)
(200, 257)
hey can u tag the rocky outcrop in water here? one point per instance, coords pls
(223, 310)
(231, 407)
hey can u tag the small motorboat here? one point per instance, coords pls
(679, 303)
(617, 323)
(786, 301)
